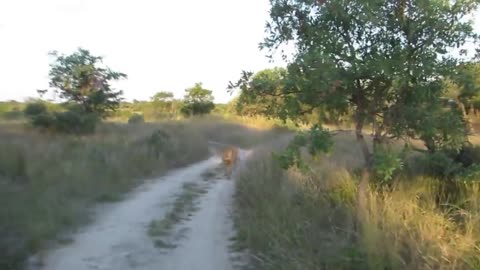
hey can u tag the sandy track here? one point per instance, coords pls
(118, 238)
(208, 232)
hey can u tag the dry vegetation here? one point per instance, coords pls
(48, 182)
(290, 220)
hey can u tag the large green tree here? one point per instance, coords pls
(82, 79)
(382, 60)
(197, 101)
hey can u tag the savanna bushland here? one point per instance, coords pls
(379, 167)
(387, 175)
(59, 158)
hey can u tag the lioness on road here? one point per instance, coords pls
(229, 158)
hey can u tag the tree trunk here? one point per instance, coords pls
(363, 185)
(361, 141)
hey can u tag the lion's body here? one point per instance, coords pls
(229, 158)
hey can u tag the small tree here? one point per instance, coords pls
(197, 101)
(164, 103)
(464, 87)
(79, 78)
(84, 83)
(162, 96)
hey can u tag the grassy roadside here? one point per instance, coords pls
(289, 220)
(48, 182)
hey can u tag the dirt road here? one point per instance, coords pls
(118, 239)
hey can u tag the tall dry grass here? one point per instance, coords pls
(49, 182)
(291, 220)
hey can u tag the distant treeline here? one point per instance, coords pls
(151, 110)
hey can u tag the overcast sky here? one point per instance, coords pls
(162, 45)
(159, 44)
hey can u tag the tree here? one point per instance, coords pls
(265, 97)
(164, 103)
(82, 80)
(381, 60)
(254, 102)
(162, 96)
(197, 101)
(464, 87)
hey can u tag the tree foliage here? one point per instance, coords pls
(84, 83)
(197, 101)
(81, 78)
(162, 96)
(464, 87)
(165, 104)
(380, 60)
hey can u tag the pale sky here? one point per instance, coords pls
(162, 45)
(159, 44)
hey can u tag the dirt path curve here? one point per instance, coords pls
(118, 238)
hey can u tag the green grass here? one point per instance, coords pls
(291, 220)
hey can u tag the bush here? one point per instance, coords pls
(136, 119)
(468, 155)
(438, 164)
(43, 121)
(386, 164)
(198, 108)
(38, 114)
(159, 142)
(74, 122)
(35, 109)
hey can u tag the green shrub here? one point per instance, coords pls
(75, 122)
(468, 155)
(35, 109)
(159, 141)
(70, 121)
(39, 116)
(386, 164)
(136, 119)
(438, 165)
(44, 121)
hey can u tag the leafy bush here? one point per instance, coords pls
(43, 121)
(470, 174)
(136, 119)
(159, 142)
(70, 121)
(468, 155)
(75, 123)
(35, 109)
(386, 164)
(198, 108)
(317, 140)
(39, 116)
(449, 165)
(438, 164)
